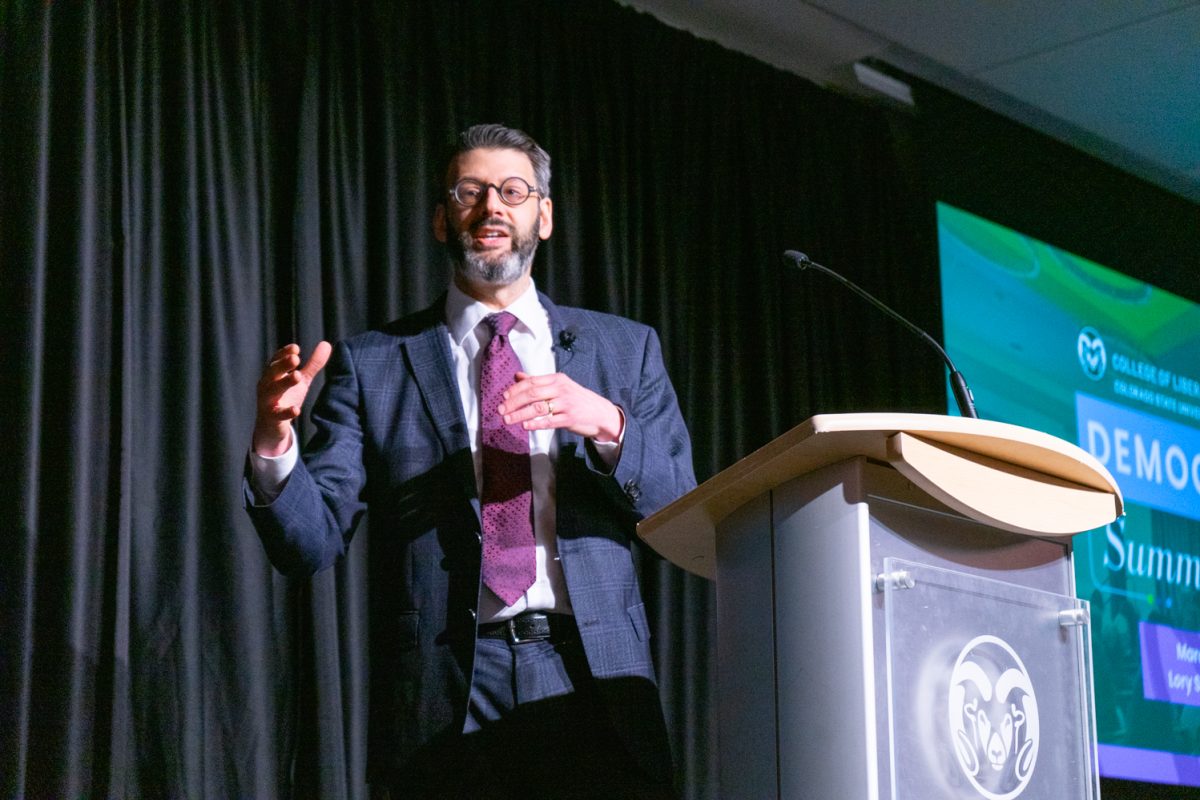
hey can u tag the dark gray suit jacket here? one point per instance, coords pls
(391, 439)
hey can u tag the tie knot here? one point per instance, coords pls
(500, 323)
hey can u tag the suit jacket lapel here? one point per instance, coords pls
(427, 350)
(574, 351)
(574, 348)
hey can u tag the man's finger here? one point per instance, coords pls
(316, 362)
(284, 413)
(529, 388)
(284, 358)
(282, 366)
(540, 380)
(517, 400)
(276, 383)
(288, 349)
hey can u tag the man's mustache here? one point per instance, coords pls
(493, 222)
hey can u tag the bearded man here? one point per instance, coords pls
(506, 448)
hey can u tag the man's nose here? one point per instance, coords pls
(491, 199)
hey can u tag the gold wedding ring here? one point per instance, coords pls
(549, 408)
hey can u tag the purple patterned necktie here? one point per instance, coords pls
(509, 565)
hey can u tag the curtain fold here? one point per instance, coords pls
(185, 187)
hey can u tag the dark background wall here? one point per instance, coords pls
(185, 186)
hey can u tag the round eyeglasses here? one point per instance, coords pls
(512, 191)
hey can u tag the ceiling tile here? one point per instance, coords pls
(969, 36)
(1139, 87)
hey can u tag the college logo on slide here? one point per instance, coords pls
(1092, 355)
(993, 717)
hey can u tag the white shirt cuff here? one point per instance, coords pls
(609, 453)
(269, 474)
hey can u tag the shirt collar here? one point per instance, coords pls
(464, 313)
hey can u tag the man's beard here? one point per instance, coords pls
(490, 268)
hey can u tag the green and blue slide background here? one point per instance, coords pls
(1056, 342)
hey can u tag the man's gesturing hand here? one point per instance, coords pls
(281, 391)
(556, 401)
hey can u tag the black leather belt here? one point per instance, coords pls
(531, 626)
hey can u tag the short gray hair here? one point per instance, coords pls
(492, 136)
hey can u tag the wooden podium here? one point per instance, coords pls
(896, 610)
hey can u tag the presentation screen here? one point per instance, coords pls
(1055, 342)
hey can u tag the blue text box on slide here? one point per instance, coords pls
(1155, 461)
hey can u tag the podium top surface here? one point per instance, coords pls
(1003, 475)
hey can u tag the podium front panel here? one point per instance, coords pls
(987, 687)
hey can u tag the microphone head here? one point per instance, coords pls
(795, 256)
(566, 338)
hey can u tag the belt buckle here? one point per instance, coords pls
(513, 636)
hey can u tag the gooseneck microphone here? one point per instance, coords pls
(958, 384)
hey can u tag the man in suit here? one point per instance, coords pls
(505, 447)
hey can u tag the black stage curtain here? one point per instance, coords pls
(185, 186)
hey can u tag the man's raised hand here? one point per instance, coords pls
(281, 392)
(556, 401)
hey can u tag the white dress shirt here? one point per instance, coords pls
(532, 340)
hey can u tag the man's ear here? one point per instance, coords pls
(546, 218)
(439, 222)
